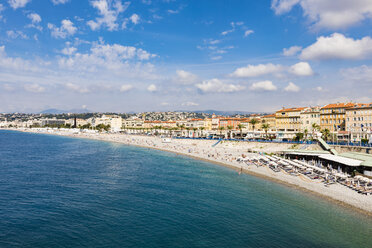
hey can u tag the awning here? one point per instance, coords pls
(341, 160)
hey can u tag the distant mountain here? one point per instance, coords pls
(59, 111)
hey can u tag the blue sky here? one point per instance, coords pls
(150, 55)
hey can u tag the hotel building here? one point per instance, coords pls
(332, 116)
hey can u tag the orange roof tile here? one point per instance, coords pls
(339, 105)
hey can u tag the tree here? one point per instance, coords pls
(253, 122)
(298, 137)
(326, 134)
(305, 134)
(201, 129)
(230, 128)
(221, 129)
(241, 126)
(265, 127)
(314, 127)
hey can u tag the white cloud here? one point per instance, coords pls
(76, 88)
(248, 32)
(67, 29)
(217, 86)
(69, 50)
(256, 70)
(319, 88)
(15, 4)
(16, 64)
(109, 12)
(185, 77)
(135, 18)
(361, 74)
(190, 104)
(35, 18)
(16, 34)
(110, 60)
(216, 57)
(291, 87)
(327, 14)
(337, 46)
(263, 86)
(301, 69)
(126, 88)
(55, 2)
(152, 88)
(171, 11)
(34, 88)
(293, 50)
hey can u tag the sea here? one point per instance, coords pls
(69, 192)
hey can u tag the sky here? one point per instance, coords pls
(161, 55)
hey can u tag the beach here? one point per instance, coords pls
(225, 153)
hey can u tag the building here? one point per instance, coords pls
(133, 123)
(52, 122)
(309, 117)
(114, 121)
(332, 116)
(288, 122)
(358, 122)
(271, 121)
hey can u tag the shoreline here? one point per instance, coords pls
(312, 187)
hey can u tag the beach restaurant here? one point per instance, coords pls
(348, 162)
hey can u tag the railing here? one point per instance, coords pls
(356, 144)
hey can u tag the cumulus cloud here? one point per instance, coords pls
(190, 104)
(67, 29)
(301, 69)
(15, 4)
(16, 34)
(35, 18)
(109, 12)
(256, 70)
(34, 88)
(293, 50)
(152, 88)
(126, 88)
(337, 46)
(55, 2)
(69, 50)
(185, 77)
(263, 86)
(217, 86)
(134, 19)
(291, 87)
(327, 14)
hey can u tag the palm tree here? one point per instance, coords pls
(221, 129)
(305, 134)
(194, 129)
(230, 128)
(241, 126)
(265, 126)
(201, 129)
(326, 133)
(253, 122)
(315, 127)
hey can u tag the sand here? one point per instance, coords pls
(226, 153)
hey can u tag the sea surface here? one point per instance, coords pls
(67, 192)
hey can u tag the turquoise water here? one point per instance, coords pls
(66, 192)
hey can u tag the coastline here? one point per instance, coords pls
(226, 156)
